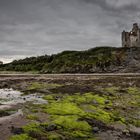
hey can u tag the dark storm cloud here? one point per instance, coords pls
(35, 27)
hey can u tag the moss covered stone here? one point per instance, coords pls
(72, 123)
(85, 98)
(31, 117)
(62, 108)
(21, 137)
(37, 85)
(133, 90)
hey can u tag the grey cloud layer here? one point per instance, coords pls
(35, 27)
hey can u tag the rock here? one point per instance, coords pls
(95, 129)
(120, 127)
(4, 85)
(57, 98)
(51, 127)
(108, 108)
(107, 101)
(135, 130)
(13, 86)
(95, 102)
(126, 132)
(43, 90)
(16, 130)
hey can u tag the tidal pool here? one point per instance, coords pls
(13, 97)
(10, 98)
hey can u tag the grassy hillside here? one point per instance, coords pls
(99, 59)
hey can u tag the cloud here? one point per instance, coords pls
(36, 27)
(122, 3)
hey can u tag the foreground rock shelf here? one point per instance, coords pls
(73, 107)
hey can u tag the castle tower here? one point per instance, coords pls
(135, 28)
(125, 39)
(132, 38)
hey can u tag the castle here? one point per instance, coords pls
(132, 38)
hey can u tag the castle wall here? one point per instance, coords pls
(133, 41)
(125, 39)
(138, 34)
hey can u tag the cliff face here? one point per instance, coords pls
(125, 60)
(96, 60)
(130, 61)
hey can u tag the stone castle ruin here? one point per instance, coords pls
(132, 38)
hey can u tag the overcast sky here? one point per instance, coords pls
(36, 27)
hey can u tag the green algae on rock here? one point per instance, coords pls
(62, 108)
(21, 137)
